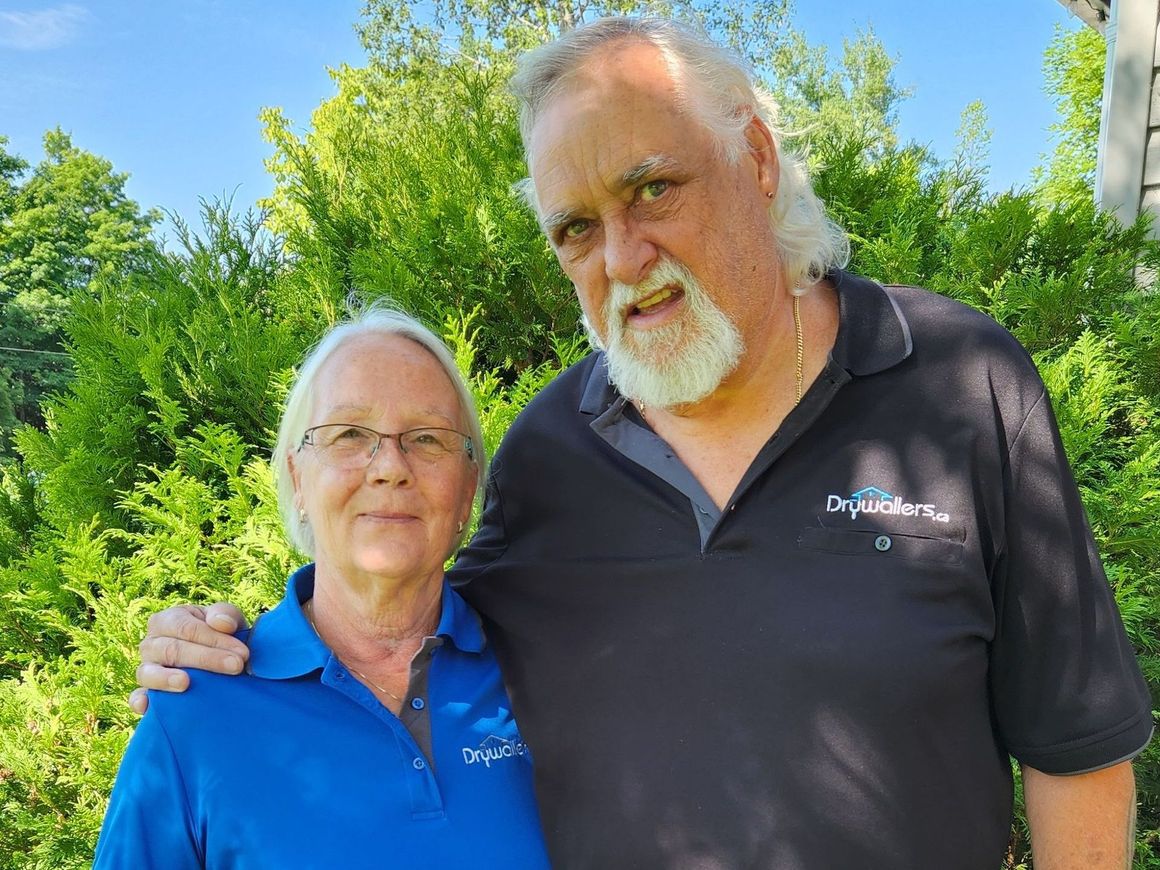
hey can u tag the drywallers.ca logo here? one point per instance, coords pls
(872, 500)
(494, 749)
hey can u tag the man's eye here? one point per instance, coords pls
(653, 190)
(576, 229)
(352, 434)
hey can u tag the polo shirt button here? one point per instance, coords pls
(883, 543)
(417, 704)
(340, 675)
(418, 764)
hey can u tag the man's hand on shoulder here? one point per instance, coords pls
(188, 636)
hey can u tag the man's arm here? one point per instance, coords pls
(1082, 822)
(188, 636)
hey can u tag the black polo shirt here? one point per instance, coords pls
(832, 671)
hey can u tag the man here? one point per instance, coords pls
(793, 587)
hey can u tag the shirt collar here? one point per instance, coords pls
(873, 335)
(283, 644)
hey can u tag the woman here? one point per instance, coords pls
(372, 728)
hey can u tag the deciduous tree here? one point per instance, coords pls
(62, 225)
(1073, 71)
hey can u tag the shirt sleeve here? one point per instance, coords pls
(1067, 692)
(149, 823)
(489, 541)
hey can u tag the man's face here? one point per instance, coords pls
(627, 179)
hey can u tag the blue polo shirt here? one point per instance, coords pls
(297, 764)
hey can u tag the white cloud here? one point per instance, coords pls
(35, 31)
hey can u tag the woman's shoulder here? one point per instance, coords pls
(213, 704)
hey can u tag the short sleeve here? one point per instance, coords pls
(148, 822)
(490, 540)
(1067, 692)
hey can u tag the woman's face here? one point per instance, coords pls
(398, 516)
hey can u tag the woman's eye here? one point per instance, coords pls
(352, 434)
(652, 190)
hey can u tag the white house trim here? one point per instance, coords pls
(1128, 165)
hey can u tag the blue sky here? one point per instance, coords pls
(170, 92)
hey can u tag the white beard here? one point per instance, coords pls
(679, 363)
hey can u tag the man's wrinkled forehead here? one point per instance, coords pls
(628, 69)
(599, 104)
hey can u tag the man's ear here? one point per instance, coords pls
(763, 151)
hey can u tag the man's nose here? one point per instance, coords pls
(628, 255)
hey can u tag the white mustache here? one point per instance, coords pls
(666, 273)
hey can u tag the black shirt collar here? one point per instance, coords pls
(873, 334)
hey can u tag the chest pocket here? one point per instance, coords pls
(881, 544)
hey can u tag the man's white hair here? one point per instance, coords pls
(718, 87)
(376, 319)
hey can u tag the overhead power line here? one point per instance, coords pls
(31, 350)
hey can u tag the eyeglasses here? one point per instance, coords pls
(348, 447)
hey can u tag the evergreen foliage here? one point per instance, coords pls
(389, 193)
(149, 483)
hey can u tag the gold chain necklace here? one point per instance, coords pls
(310, 618)
(800, 348)
(799, 355)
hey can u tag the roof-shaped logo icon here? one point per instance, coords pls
(871, 492)
(493, 741)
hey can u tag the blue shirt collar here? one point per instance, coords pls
(283, 645)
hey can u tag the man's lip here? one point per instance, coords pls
(631, 308)
(657, 314)
(387, 515)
